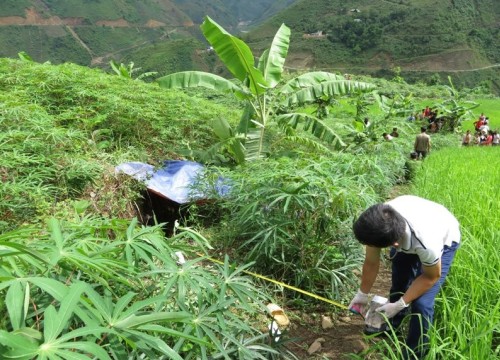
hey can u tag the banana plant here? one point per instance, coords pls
(127, 72)
(269, 101)
(455, 109)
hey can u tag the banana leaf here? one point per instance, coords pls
(272, 61)
(312, 125)
(191, 79)
(309, 79)
(327, 88)
(235, 54)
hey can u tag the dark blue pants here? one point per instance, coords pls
(405, 268)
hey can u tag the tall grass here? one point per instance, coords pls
(468, 309)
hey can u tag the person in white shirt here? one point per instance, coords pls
(423, 236)
(496, 138)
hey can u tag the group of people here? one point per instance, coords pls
(430, 116)
(483, 134)
(422, 145)
(392, 135)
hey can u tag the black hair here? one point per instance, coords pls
(379, 226)
(423, 129)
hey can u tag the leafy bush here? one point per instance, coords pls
(108, 289)
(292, 217)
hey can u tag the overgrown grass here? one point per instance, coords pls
(468, 312)
(64, 128)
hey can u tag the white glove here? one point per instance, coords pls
(360, 300)
(391, 309)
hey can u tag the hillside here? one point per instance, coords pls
(94, 32)
(424, 37)
(418, 40)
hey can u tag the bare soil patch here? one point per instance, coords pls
(344, 338)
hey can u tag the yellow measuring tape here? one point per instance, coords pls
(321, 298)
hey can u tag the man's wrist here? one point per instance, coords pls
(403, 302)
(361, 292)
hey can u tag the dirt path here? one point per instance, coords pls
(80, 41)
(345, 337)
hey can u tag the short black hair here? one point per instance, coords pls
(423, 129)
(380, 226)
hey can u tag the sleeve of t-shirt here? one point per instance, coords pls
(428, 257)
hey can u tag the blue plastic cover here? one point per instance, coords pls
(173, 180)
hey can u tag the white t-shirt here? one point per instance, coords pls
(430, 227)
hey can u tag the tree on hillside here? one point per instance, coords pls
(269, 101)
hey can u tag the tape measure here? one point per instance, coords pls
(314, 296)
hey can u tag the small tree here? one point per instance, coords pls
(455, 109)
(128, 71)
(269, 102)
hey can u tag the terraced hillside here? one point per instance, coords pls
(419, 38)
(93, 32)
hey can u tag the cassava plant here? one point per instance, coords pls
(109, 289)
(270, 103)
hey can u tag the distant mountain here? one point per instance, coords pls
(420, 37)
(91, 32)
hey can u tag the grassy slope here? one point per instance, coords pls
(64, 127)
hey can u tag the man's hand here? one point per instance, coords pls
(391, 309)
(359, 301)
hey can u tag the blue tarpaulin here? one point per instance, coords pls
(173, 181)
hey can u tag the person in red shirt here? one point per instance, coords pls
(427, 111)
(489, 139)
(478, 124)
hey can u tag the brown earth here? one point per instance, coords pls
(344, 338)
(32, 17)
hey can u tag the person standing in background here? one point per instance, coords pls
(422, 144)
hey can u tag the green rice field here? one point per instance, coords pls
(467, 181)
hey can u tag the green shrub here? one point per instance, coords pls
(96, 288)
(292, 217)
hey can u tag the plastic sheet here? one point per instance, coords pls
(174, 180)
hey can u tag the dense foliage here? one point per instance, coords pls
(63, 126)
(373, 37)
(429, 40)
(81, 278)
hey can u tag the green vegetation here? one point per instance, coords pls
(104, 39)
(39, 43)
(173, 56)
(82, 278)
(469, 300)
(268, 104)
(374, 36)
(427, 40)
(14, 7)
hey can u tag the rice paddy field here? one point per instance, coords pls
(466, 180)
